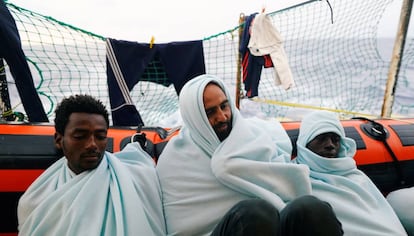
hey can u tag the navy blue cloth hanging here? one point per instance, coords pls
(126, 64)
(251, 65)
(12, 52)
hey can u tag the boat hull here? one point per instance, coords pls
(385, 152)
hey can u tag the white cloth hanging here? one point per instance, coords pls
(266, 40)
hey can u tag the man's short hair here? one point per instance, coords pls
(75, 104)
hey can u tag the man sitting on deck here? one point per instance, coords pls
(358, 204)
(90, 191)
(227, 175)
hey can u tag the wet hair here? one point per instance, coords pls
(78, 103)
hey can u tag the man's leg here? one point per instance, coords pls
(249, 217)
(308, 215)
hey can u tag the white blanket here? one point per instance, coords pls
(402, 201)
(358, 204)
(120, 197)
(202, 178)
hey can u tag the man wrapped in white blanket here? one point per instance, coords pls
(90, 191)
(357, 202)
(227, 175)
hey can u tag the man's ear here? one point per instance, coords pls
(58, 140)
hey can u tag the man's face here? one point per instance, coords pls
(84, 141)
(326, 145)
(218, 110)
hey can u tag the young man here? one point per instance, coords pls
(90, 191)
(226, 175)
(358, 204)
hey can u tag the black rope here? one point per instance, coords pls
(330, 7)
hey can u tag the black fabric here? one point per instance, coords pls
(249, 217)
(252, 71)
(127, 115)
(12, 52)
(305, 216)
(244, 41)
(309, 216)
(8, 213)
(181, 62)
(252, 65)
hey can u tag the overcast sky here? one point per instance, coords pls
(166, 20)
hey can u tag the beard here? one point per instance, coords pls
(221, 132)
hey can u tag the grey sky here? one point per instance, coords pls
(139, 20)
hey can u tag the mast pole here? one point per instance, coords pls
(239, 59)
(396, 58)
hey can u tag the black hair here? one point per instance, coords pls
(78, 103)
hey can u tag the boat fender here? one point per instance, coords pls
(378, 132)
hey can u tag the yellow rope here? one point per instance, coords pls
(273, 102)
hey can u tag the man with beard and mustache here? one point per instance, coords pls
(90, 191)
(356, 201)
(227, 175)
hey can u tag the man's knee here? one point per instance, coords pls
(257, 208)
(305, 213)
(249, 217)
(309, 205)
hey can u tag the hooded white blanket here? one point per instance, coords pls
(202, 178)
(358, 204)
(120, 197)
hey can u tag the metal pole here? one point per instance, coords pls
(396, 58)
(239, 59)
